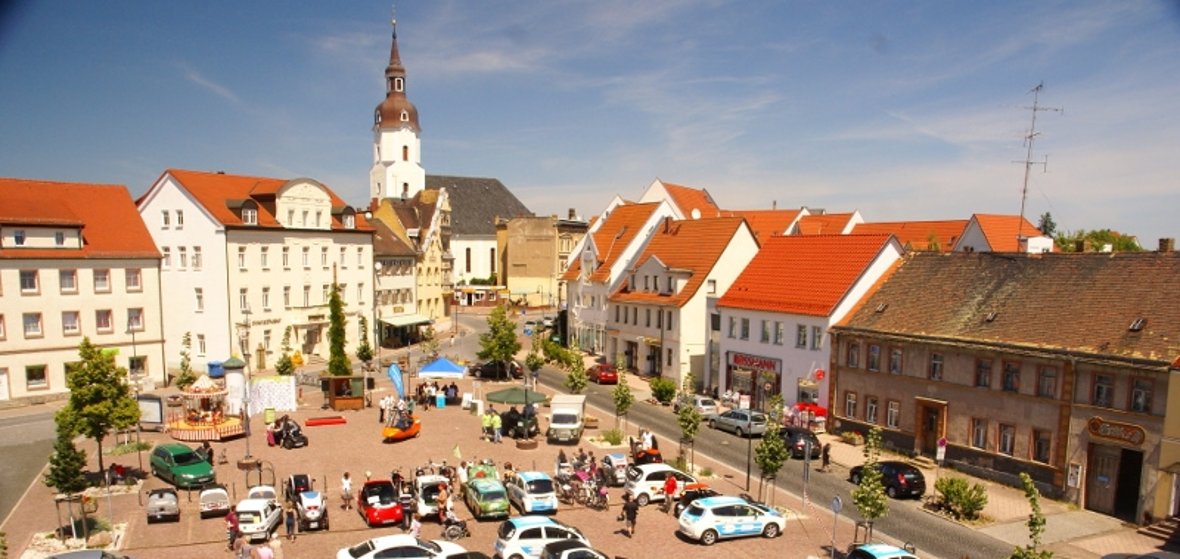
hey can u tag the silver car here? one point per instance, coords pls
(705, 405)
(740, 422)
(162, 504)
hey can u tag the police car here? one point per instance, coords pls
(709, 519)
(532, 492)
(526, 536)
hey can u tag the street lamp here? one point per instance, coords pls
(135, 379)
(244, 340)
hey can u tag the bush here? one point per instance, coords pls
(680, 463)
(960, 500)
(706, 472)
(614, 436)
(663, 389)
(852, 437)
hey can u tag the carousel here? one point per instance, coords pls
(202, 415)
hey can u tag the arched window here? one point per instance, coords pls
(405, 116)
(405, 153)
(398, 84)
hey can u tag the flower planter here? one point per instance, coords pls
(591, 422)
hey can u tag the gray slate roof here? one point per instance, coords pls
(476, 202)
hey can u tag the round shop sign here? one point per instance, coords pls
(1116, 430)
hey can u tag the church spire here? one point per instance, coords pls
(396, 111)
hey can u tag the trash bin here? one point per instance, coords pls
(216, 370)
(440, 401)
(268, 415)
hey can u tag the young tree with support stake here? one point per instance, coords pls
(869, 495)
(338, 363)
(623, 398)
(100, 398)
(771, 453)
(688, 418)
(499, 343)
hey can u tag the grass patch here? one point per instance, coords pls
(128, 448)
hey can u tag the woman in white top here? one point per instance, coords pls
(346, 491)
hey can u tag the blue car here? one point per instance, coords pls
(532, 492)
(881, 551)
(712, 518)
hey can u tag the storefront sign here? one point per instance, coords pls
(754, 362)
(1122, 432)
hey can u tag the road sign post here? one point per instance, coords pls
(837, 504)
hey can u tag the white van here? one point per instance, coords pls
(646, 483)
(258, 518)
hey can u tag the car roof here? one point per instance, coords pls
(616, 456)
(253, 503)
(532, 476)
(176, 447)
(485, 484)
(566, 545)
(885, 551)
(391, 540)
(162, 490)
(656, 467)
(378, 482)
(721, 500)
(532, 520)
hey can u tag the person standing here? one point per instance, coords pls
(630, 514)
(485, 421)
(242, 548)
(346, 491)
(264, 552)
(232, 528)
(382, 407)
(415, 526)
(289, 520)
(441, 502)
(497, 423)
(669, 492)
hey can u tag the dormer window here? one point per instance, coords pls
(18, 237)
(349, 221)
(405, 116)
(250, 213)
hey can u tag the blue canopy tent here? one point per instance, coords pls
(442, 368)
(395, 375)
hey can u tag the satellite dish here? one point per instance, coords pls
(696, 213)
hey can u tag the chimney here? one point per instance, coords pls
(1167, 244)
(573, 215)
(1082, 245)
(667, 223)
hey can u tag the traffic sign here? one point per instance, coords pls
(837, 504)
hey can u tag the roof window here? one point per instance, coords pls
(1137, 325)
(881, 308)
(991, 316)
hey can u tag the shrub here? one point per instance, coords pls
(613, 436)
(852, 437)
(663, 389)
(962, 501)
(680, 463)
(706, 472)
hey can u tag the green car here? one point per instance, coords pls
(181, 465)
(486, 498)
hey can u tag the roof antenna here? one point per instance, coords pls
(1028, 162)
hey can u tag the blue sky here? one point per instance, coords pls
(902, 110)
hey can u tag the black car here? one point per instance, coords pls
(692, 492)
(495, 370)
(796, 439)
(900, 479)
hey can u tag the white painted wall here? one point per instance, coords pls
(390, 170)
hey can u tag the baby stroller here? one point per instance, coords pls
(289, 434)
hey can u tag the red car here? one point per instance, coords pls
(378, 504)
(603, 373)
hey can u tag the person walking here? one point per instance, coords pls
(242, 548)
(264, 552)
(825, 457)
(415, 526)
(289, 520)
(346, 491)
(232, 528)
(630, 514)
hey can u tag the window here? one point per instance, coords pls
(324, 257)
(306, 257)
(196, 258)
(165, 219)
(28, 282)
(266, 298)
(893, 414)
(199, 293)
(1047, 382)
(983, 373)
(800, 335)
(307, 295)
(935, 366)
(405, 149)
(266, 340)
(745, 328)
(286, 258)
(779, 332)
(647, 313)
(342, 289)
(200, 344)
(1007, 439)
(647, 283)
(668, 323)
(35, 377)
(102, 281)
(250, 216)
(349, 221)
(343, 257)
(3, 331)
(264, 257)
(979, 433)
(167, 260)
(712, 284)
(850, 404)
(659, 319)
(18, 237)
(871, 409)
(492, 259)
(243, 298)
(1103, 391)
(765, 332)
(616, 313)
(1042, 445)
(895, 361)
(732, 327)
(817, 337)
(319, 218)
(102, 321)
(182, 253)
(179, 219)
(326, 293)
(360, 257)
(290, 218)
(241, 258)
(360, 293)
(135, 320)
(32, 322)
(133, 279)
(874, 363)
(68, 281)
(305, 214)
(59, 238)
(852, 356)
(70, 323)
(1011, 380)
(467, 259)
(1141, 389)
(286, 296)
(669, 357)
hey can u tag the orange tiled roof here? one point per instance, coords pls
(823, 224)
(612, 237)
(807, 275)
(689, 199)
(694, 245)
(917, 234)
(110, 223)
(216, 192)
(766, 223)
(1001, 231)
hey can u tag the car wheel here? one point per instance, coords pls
(643, 499)
(770, 531)
(712, 424)
(515, 556)
(709, 537)
(855, 477)
(740, 433)
(891, 492)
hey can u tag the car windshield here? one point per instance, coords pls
(361, 548)
(382, 494)
(707, 403)
(186, 458)
(562, 418)
(540, 486)
(493, 495)
(427, 544)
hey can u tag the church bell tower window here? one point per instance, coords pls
(398, 84)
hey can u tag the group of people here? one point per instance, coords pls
(514, 423)
(427, 392)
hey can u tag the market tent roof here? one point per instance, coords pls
(442, 368)
(406, 320)
(516, 395)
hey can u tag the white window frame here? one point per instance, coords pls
(33, 324)
(892, 414)
(30, 289)
(68, 317)
(134, 278)
(109, 316)
(199, 295)
(102, 281)
(68, 281)
(135, 319)
(196, 258)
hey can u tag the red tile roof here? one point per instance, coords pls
(917, 235)
(620, 227)
(217, 192)
(805, 275)
(1001, 231)
(689, 199)
(823, 224)
(692, 245)
(110, 223)
(766, 223)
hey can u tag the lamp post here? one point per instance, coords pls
(135, 379)
(244, 340)
(377, 308)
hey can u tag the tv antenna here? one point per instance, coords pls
(1029, 139)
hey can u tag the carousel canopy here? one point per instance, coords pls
(204, 387)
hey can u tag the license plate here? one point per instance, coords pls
(313, 524)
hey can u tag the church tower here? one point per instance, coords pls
(397, 151)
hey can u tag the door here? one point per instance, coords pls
(1102, 478)
(1126, 494)
(930, 431)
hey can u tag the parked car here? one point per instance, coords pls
(258, 518)
(378, 504)
(532, 492)
(796, 439)
(603, 373)
(426, 488)
(400, 545)
(263, 492)
(162, 504)
(526, 536)
(181, 465)
(495, 370)
(88, 554)
(712, 518)
(881, 551)
(645, 483)
(571, 549)
(487, 498)
(614, 466)
(692, 492)
(547, 322)
(900, 479)
(740, 422)
(214, 501)
(312, 510)
(705, 405)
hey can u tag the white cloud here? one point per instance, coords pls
(218, 89)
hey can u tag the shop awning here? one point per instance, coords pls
(406, 320)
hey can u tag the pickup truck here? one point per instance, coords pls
(566, 418)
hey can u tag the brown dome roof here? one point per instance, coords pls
(389, 113)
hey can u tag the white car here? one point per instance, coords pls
(709, 519)
(532, 492)
(263, 492)
(258, 518)
(645, 483)
(526, 536)
(400, 545)
(705, 405)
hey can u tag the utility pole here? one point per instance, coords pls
(1029, 138)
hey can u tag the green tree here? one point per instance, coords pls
(67, 465)
(186, 377)
(1036, 524)
(429, 341)
(100, 398)
(688, 417)
(285, 366)
(771, 452)
(576, 380)
(499, 343)
(623, 398)
(663, 390)
(1046, 224)
(1068, 241)
(869, 493)
(338, 363)
(364, 351)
